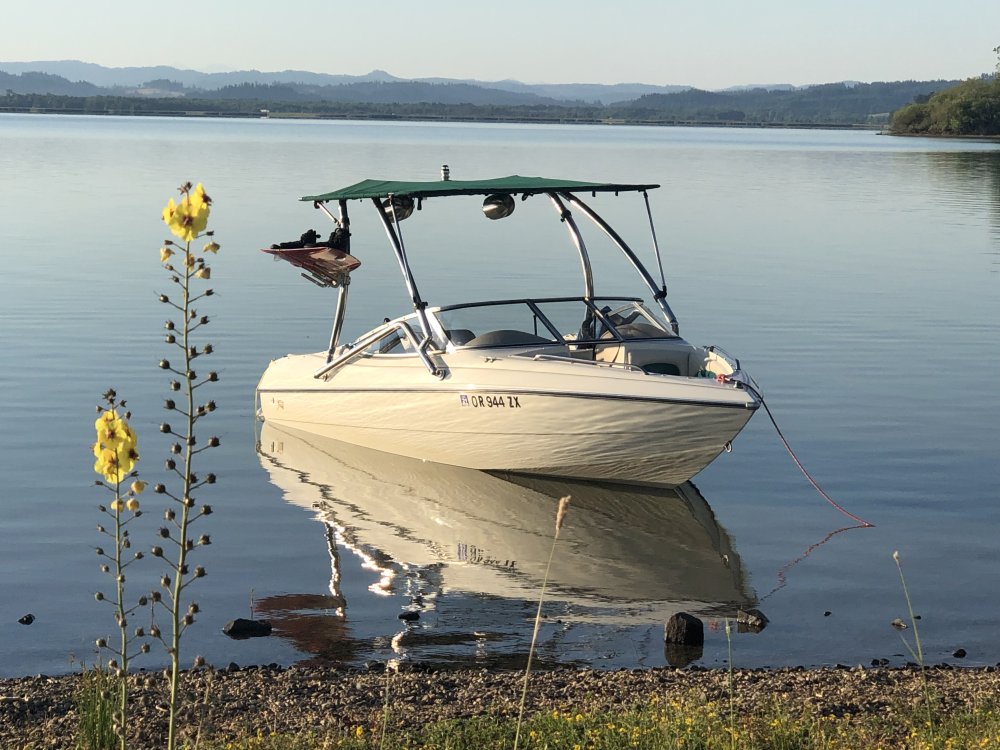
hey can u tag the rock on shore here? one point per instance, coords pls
(40, 711)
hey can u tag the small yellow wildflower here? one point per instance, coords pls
(137, 487)
(189, 218)
(132, 504)
(212, 247)
(165, 254)
(117, 505)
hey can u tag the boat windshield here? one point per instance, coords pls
(559, 321)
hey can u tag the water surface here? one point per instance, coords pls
(856, 276)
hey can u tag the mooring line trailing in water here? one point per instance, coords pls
(783, 572)
(798, 463)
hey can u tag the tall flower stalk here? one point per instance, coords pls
(187, 220)
(115, 454)
(560, 519)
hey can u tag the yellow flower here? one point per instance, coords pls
(212, 247)
(189, 218)
(165, 253)
(137, 487)
(117, 505)
(132, 504)
(203, 273)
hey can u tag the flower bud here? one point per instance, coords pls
(165, 582)
(192, 375)
(210, 479)
(138, 556)
(174, 385)
(99, 596)
(159, 489)
(170, 338)
(143, 601)
(169, 325)
(165, 428)
(164, 364)
(175, 448)
(164, 298)
(207, 349)
(213, 442)
(209, 292)
(101, 643)
(156, 552)
(213, 376)
(144, 648)
(188, 619)
(206, 510)
(105, 569)
(99, 550)
(210, 406)
(191, 440)
(156, 597)
(137, 487)
(170, 464)
(204, 539)
(164, 532)
(203, 320)
(193, 608)
(139, 632)
(199, 572)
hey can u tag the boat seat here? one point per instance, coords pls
(661, 368)
(459, 336)
(507, 337)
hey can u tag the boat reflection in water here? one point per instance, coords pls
(628, 557)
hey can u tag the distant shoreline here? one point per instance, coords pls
(665, 122)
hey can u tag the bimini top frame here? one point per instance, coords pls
(393, 201)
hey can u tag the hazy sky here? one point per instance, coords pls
(705, 43)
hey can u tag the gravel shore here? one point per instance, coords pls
(39, 712)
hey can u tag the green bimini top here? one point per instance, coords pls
(437, 188)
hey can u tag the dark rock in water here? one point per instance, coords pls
(681, 656)
(27, 619)
(683, 629)
(374, 666)
(233, 667)
(880, 662)
(241, 628)
(959, 654)
(827, 613)
(751, 621)
(409, 616)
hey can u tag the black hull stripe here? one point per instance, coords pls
(520, 392)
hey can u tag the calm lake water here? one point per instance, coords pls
(856, 276)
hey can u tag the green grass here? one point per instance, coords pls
(673, 723)
(95, 705)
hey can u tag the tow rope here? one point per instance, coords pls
(784, 441)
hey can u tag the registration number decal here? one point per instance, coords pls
(488, 401)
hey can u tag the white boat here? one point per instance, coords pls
(625, 552)
(589, 387)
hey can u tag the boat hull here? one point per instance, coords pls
(567, 421)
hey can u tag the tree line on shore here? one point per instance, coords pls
(970, 108)
(839, 104)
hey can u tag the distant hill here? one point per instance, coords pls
(832, 103)
(95, 88)
(137, 77)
